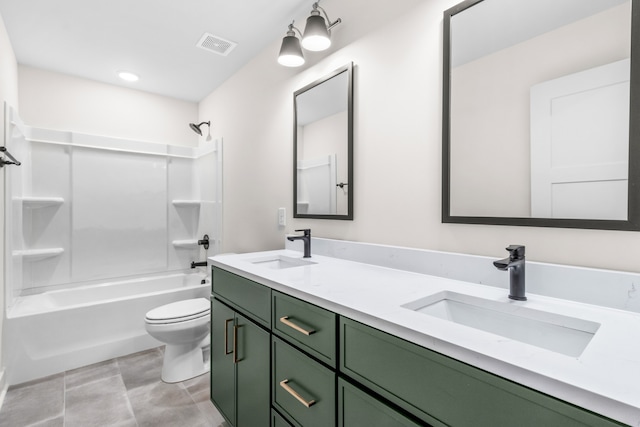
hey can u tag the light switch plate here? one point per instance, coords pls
(282, 217)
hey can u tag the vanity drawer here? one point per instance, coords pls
(311, 328)
(250, 298)
(302, 389)
(277, 420)
(357, 408)
(443, 391)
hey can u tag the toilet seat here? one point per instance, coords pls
(180, 311)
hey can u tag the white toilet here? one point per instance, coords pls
(184, 327)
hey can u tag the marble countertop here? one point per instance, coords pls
(605, 378)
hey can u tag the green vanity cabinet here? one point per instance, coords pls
(443, 391)
(240, 381)
(281, 361)
(277, 420)
(240, 350)
(303, 390)
(307, 326)
(246, 296)
(357, 408)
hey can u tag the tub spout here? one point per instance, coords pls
(198, 264)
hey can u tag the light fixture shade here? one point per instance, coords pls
(316, 35)
(290, 52)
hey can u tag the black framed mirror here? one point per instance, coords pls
(537, 97)
(323, 147)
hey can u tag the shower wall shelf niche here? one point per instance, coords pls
(187, 203)
(38, 254)
(185, 244)
(40, 202)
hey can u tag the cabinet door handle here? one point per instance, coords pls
(235, 344)
(289, 323)
(226, 338)
(295, 394)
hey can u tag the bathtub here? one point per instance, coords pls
(60, 330)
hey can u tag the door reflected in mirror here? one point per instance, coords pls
(323, 147)
(537, 107)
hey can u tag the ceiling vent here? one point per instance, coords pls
(216, 44)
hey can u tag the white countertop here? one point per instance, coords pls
(605, 378)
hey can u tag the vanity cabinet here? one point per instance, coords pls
(303, 389)
(443, 391)
(240, 379)
(307, 326)
(357, 408)
(280, 361)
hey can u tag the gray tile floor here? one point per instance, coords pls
(126, 391)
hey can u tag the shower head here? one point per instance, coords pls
(196, 128)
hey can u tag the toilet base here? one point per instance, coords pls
(182, 362)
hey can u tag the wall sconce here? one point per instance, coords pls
(316, 37)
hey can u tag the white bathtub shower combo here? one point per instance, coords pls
(100, 231)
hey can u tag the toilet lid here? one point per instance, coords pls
(180, 310)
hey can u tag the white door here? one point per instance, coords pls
(580, 144)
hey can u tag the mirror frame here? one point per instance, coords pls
(349, 216)
(633, 207)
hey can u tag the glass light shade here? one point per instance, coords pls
(290, 52)
(316, 36)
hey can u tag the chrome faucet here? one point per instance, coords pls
(515, 264)
(306, 238)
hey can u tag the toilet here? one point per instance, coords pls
(184, 327)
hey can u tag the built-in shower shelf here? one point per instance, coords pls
(185, 244)
(40, 202)
(38, 254)
(186, 203)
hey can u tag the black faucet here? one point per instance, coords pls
(515, 264)
(306, 238)
(198, 264)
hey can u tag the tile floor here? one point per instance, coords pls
(126, 391)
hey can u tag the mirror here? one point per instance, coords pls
(323, 147)
(536, 104)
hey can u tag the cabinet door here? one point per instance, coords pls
(252, 374)
(223, 380)
(357, 408)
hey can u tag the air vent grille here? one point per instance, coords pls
(216, 44)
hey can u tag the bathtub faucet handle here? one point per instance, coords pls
(205, 241)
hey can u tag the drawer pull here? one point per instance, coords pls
(289, 323)
(226, 338)
(295, 394)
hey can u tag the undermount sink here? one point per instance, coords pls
(555, 332)
(278, 262)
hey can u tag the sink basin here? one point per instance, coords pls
(558, 333)
(278, 262)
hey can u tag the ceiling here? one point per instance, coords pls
(155, 39)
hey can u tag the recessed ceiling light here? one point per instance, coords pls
(130, 77)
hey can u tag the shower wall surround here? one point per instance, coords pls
(85, 208)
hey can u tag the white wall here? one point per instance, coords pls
(58, 101)
(398, 112)
(9, 94)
